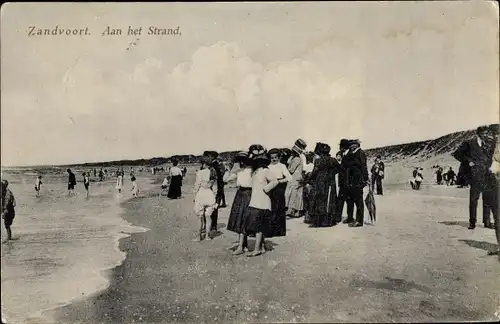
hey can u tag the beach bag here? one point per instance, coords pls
(370, 205)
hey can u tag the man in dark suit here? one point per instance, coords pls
(378, 173)
(341, 195)
(478, 157)
(356, 179)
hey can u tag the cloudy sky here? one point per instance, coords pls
(240, 74)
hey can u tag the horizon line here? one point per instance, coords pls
(230, 150)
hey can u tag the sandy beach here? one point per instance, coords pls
(419, 263)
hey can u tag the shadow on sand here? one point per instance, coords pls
(486, 246)
(268, 245)
(393, 284)
(455, 223)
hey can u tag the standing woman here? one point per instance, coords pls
(174, 190)
(294, 189)
(119, 181)
(323, 188)
(259, 209)
(243, 176)
(277, 226)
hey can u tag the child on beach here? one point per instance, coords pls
(86, 183)
(38, 185)
(135, 187)
(8, 208)
(204, 201)
(71, 182)
(259, 212)
(243, 176)
(164, 186)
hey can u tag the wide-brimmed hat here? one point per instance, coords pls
(299, 146)
(242, 156)
(257, 152)
(322, 149)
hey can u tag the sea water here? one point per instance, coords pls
(63, 246)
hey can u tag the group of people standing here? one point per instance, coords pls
(278, 183)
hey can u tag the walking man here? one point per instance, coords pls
(356, 179)
(8, 208)
(475, 154)
(377, 171)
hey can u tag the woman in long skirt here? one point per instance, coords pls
(243, 176)
(174, 191)
(323, 188)
(259, 209)
(277, 226)
(294, 189)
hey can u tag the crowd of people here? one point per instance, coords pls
(280, 183)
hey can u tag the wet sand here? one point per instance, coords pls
(418, 263)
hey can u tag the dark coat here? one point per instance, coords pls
(356, 170)
(481, 156)
(323, 188)
(376, 171)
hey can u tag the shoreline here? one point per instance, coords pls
(100, 277)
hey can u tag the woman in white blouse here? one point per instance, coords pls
(277, 226)
(242, 173)
(259, 209)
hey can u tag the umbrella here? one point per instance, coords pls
(370, 204)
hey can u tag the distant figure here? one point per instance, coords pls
(184, 172)
(356, 179)
(105, 174)
(417, 179)
(450, 177)
(378, 175)
(439, 176)
(119, 182)
(71, 182)
(86, 183)
(38, 185)
(101, 175)
(476, 155)
(135, 186)
(95, 173)
(174, 192)
(8, 208)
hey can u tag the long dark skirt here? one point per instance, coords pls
(174, 191)
(277, 223)
(323, 203)
(256, 220)
(236, 222)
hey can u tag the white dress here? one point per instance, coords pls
(135, 188)
(119, 182)
(204, 201)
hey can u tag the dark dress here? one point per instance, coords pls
(277, 223)
(216, 174)
(236, 222)
(174, 191)
(323, 192)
